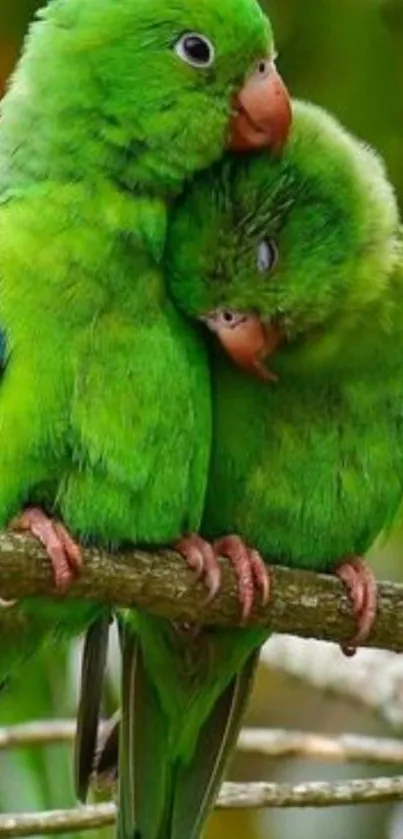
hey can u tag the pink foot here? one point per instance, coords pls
(361, 587)
(251, 571)
(63, 552)
(200, 556)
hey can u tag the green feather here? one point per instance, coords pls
(99, 431)
(197, 785)
(308, 470)
(183, 699)
(89, 709)
(105, 401)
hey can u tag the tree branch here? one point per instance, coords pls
(54, 822)
(347, 748)
(305, 604)
(271, 743)
(44, 733)
(233, 796)
(311, 793)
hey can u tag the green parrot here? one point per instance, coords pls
(307, 462)
(300, 259)
(105, 395)
(111, 109)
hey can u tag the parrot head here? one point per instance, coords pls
(267, 250)
(170, 82)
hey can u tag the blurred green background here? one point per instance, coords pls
(346, 55)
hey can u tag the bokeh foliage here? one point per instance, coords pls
(347, 55)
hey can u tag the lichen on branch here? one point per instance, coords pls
(302, 603)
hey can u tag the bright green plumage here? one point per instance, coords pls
(306, 470)
(101, 126)
(309, 469)
(105, 401)
(190, 695)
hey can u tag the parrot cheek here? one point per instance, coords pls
(263, 114)
(249, 344)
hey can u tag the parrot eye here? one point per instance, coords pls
(229, 318)
(265, 67)
(223, 319)
(267, 256)
(195, 49)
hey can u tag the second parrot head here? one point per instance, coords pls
(172, 81)
(267, 250)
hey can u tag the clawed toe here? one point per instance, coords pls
(252, 573)
(262, 575)
(63, 552)
(200, 556)
(361, 587)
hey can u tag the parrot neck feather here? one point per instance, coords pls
(350, 346)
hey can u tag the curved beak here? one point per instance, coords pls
(247, 340)
(263, 113)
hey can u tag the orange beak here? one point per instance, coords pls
(263, 113)
(247, 340)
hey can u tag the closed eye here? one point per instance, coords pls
(267, 255)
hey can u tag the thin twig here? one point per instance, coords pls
(347, 748)
(53, 822)
(305, 604)
(37, 734)
(232, 796)
(271, 743)
(311, 794)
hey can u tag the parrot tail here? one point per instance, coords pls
(89, 709)
(171, 765)
(198, 785)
